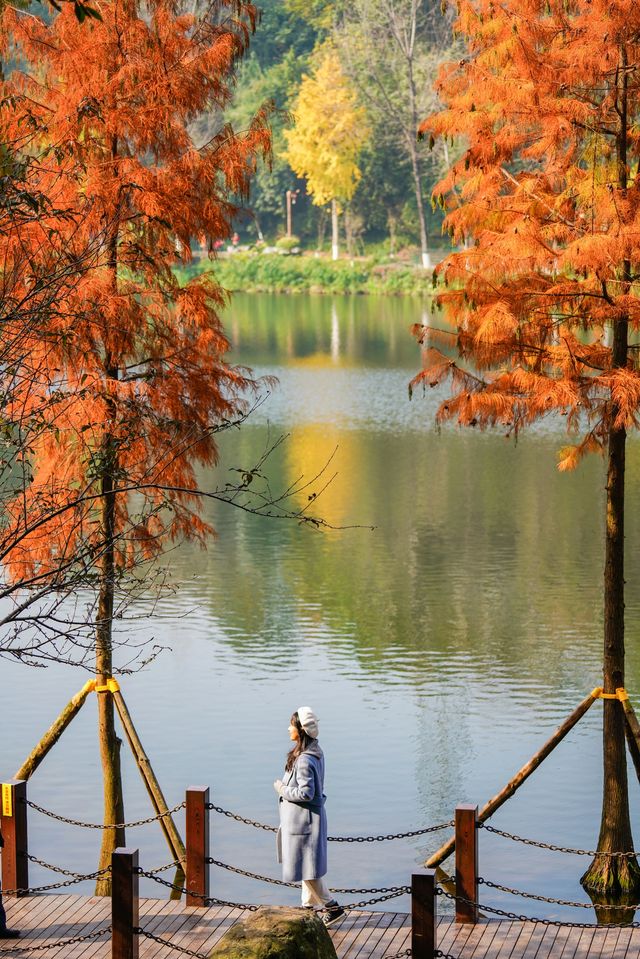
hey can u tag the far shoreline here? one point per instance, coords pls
(250, 272)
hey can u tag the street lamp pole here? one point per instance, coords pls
(292, 196)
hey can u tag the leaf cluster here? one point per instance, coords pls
(544, 201)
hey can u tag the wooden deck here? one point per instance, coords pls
(361, 935)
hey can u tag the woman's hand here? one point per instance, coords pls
(278, 786)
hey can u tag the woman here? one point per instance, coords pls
(302, 837)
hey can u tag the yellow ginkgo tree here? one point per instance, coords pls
(328, 134)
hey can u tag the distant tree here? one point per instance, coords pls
(327, 137)
(270, 73)
(391, 51)
(545, 301)
(142, 380)
(274, 84)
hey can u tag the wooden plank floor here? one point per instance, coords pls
(361, 935)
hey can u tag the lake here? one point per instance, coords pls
(439, 649)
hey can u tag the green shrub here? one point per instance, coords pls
(273, 273)
(288, 243)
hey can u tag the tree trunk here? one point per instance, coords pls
(109, 742)
(422, 221)
(334, 231)
(391, 224)
(615, 875)
(415, 162)
(322, 226)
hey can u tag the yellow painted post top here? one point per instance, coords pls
(7, 800)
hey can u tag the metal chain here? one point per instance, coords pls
(401, 891)
(57, 885)
(172, 945)
(543, 922)
(248, 822)
(57, 945)
(444, 955)
(209, 900)
(293, 885)
(551, 846)
(255, 875)
(550, 899)
(398, 835)
(48, 865)
(169, 865)
(251, 907)
(399, 955)
(93, 825)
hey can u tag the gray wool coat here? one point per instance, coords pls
(302, 836)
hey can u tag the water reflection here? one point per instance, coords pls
(439, 649)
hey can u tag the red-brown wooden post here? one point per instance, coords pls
(467, 863)
(125, 916)
(197, 878)
(423, 914)
(13, 823)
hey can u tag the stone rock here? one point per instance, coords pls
(276, 933)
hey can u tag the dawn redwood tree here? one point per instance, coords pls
(545, 298)
(139, 360)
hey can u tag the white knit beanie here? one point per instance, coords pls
(308, 721)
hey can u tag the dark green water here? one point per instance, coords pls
(439, 650)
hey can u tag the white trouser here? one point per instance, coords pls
(315, 893)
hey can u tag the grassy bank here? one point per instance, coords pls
(272, 273)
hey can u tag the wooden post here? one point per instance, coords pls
(124, 904)
(489, 808)
(197, 845)
(55, 731)
(152, 785)
(423, 914)
(466, 862)
(13, 823)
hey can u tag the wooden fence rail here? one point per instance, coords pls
(125, 871)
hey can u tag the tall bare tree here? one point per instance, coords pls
(392, 50)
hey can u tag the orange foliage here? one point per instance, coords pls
(135, 364)
(545, 199)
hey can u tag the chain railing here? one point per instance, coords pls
(494, 910)
(206, 900)
(59, 944)
(550, 846)
(197, 806)
(393, 893)
(78, 877)
(93, 825)
(169, 865)
(396, 835)
(294, 885)
(399, 835)
(550, 899)
(48, 865)
(140, 931)
(235, 816)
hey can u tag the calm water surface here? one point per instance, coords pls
(439, 650)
